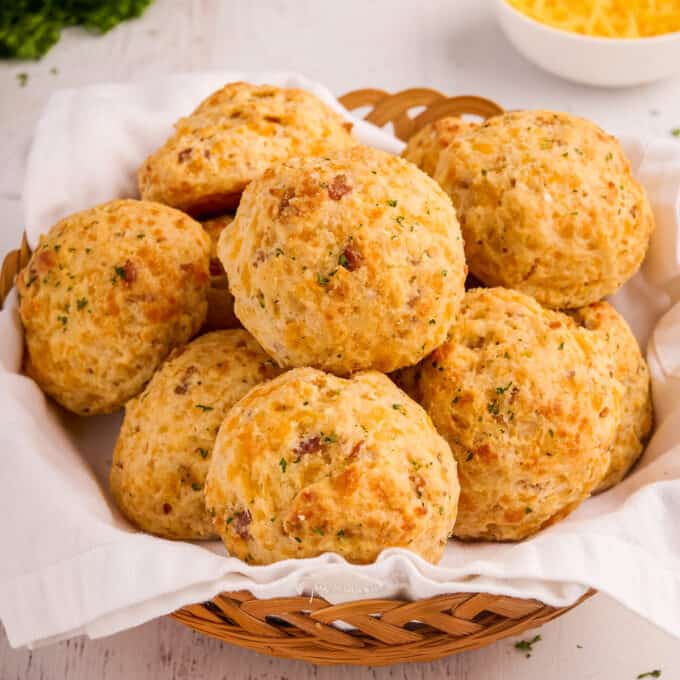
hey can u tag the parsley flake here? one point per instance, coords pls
(392, 203)
(81, 303)
(283, 464)
(650, 674)
(527, 645)
(204, 408)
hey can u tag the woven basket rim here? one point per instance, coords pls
(384, 631)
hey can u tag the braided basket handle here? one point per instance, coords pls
(395, 108)
(13, 263)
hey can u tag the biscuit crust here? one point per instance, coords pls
(630, 368)
(220, 300)
(424, 147)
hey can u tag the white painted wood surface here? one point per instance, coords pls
(452, 45)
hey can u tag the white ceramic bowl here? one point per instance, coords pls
(609, 62)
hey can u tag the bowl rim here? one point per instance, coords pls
(504, 5)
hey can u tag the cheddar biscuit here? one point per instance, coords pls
(107, 294)
(310, 463)
(348, 262)
(164, 448)
(529, 409)
(548, 205)
(231, 138)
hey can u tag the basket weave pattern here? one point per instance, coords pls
(381, 631)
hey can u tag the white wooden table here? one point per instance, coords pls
(452, 45)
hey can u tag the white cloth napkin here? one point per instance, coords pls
(71, 564)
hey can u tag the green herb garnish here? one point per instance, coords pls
(29, 29)
(650, 674)
(527, 645)
(283, 464)
(204, 408)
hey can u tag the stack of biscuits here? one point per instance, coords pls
(305, 361)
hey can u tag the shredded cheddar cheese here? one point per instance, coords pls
(605, 18)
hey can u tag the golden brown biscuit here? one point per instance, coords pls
(220, 300)
(310, 463)
(165, 445)
(231, 138)
(424, 147)
(529, 409)
(347, 262)
(547, 205)
(107, 294)
(629, 367)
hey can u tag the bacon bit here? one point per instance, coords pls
(348, 126)
(206, 154)
(604, 412)
(484, 453)
(45, 260)
(284, 201)
(184, 155)
(513, 182)
(309, 445)
(352, 258)
(555, 324)
(355, 449)
(167, 508)
(184, 382)
(338, 187)
(130, 272)
(241, 522)
(216, 268)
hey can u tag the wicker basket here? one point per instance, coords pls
(383, 631)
